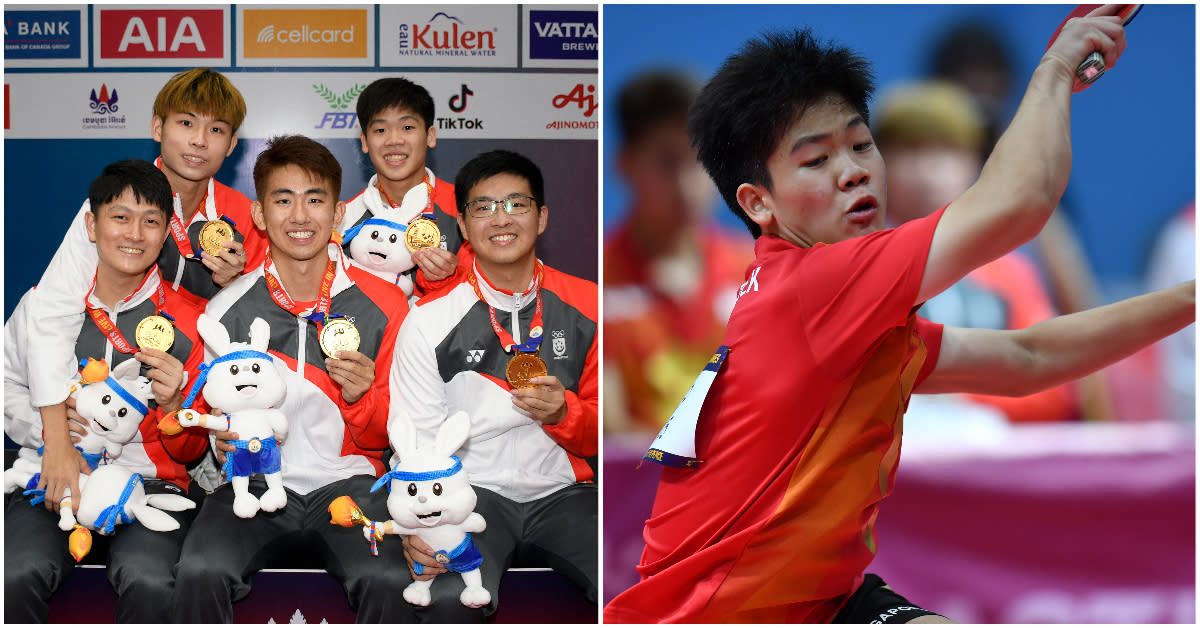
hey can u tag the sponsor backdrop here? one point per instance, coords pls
(80, 83)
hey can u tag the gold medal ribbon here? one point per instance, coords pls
(109, 328)
(506, 339)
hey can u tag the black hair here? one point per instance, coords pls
(652, 98)
(741, 115)
(297, 150)
(147, 183)
(492, 163)
(394, 92)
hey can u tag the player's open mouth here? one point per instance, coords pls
(395, 159)
(194, 160)
(301, 235)
(130, 251)
(503, 238)
(864, 210)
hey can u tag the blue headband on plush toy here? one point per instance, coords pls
(244, 354)
(124, 394)
(409, 476)
(353, 231)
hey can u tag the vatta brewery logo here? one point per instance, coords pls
(580, 98)
(338, 117)
(563, 35)
(444, 35)
(305, 33)
(104, 107)
(162, 34)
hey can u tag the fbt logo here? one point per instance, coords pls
(162, 34)
(445, 35)
(304, 33)
(563, 35)
(342, 115)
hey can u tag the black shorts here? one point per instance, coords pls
(876, 603)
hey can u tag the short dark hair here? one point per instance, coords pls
(740, 116)
(147, 183)
(394, 92)
(492, 163)
(653, 98)
(296, 150)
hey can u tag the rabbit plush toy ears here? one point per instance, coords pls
(416, 465)
(216, 337)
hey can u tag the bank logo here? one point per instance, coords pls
(305, 33)
(162, 34)
(103, 110)
(339, 103)
(445, 35)
(563, 35)
(41, 35)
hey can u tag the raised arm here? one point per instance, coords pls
(1024, 361)
(1025, 177)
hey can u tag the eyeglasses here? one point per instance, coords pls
(513, 205)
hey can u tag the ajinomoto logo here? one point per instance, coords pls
(305, 33)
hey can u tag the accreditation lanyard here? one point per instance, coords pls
(535, 327)
(109, 328)
(428, 211)
(281, 298)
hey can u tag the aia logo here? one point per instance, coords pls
(162, 33)
(576, 97)
(105, 102)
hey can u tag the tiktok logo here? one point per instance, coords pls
(460, 98)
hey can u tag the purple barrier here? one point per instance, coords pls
(528, 596)
(1078, 523)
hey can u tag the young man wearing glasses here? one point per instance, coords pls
(478, 347)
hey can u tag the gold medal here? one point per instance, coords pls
(213, 234)
(522, 367)
(338, 334)
(422, 233)
(155, 332)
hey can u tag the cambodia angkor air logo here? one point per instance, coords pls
(339, 118)
(104, 109)
(105, 102)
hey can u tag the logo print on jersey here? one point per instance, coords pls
(475, 355)
(559, 343)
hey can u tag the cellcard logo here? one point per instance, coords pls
(162, 34)
(305, 33)
(563, 35)
(341, 114)
(103, 107)
(41, 35)
(444, 35)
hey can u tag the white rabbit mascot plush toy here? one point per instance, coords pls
(431, 497)
(111, 404)
(113, 495)
(245, 383)
(377, 244)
